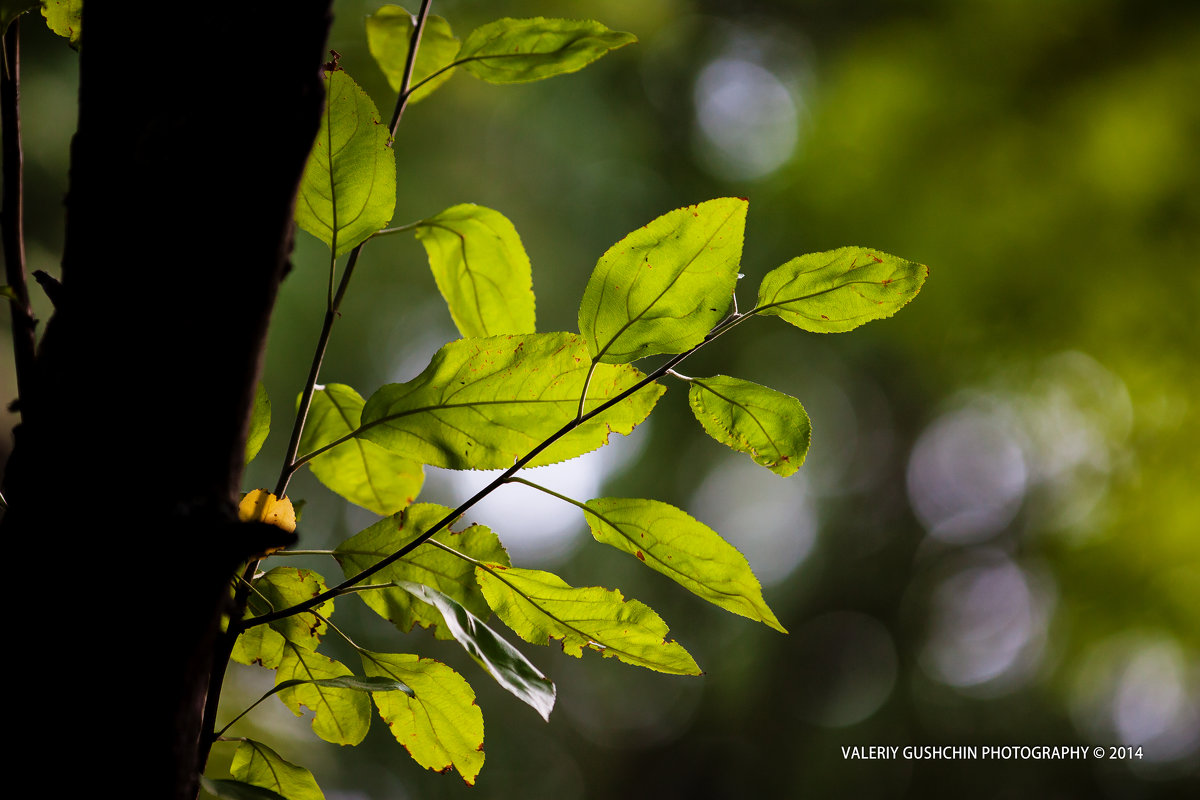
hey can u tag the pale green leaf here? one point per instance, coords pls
(9, 292)
(540, 606)
(341, 714)
(64, 18)
(839, 290)
(504, 662)
(389, 32)
(522, 50)
(441, 727)
(664, 286)
(236, 790)
(11, 9)
(258, 645)
(481, 269)
(260, 422)
(427, 564)
(484, 403)
(258, 765)
(348, 191)
(358, 470)
(770, 426)
(687, 551)
(284, 587)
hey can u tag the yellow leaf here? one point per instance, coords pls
(262, 506)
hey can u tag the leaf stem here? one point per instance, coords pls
(721, 328)
(12, 220)
(301, 553)
(552, 493)
(409, 63)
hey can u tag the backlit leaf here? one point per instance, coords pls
(426, 565)
(540, 606)
(690, 553)
(664, 286)
(441, 727)
(64, 18)
(483, 403)
(260, 422)
(258, 765)
(258, 645)
(521, 50)
(341, 715)
(839, 290)
(260, 505)
(284, 587)
(481, 269)
(358, 470)
(389, 32)
(770, 426)
(349, 186)
(504, 662)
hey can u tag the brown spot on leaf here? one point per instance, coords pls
(641, 555)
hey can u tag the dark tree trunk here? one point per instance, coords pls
(193, 133)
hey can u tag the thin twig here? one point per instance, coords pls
(12, 221)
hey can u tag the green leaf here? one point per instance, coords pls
(65, 18)
(522, 50)
(483, 403)
(236, 790)
(349, 186)
(11, 9)
(770, 426)
(284, 587)
(341, 714)
(8, 291)
(504, 662)
(839, 290)
(260, 422)
(427, 564)
(441, 727)
(540, 606)
(258, 645)
(358, 470)
(258, 765)
(389, 32)
(664, 286)
(688, 552)
(481, 269)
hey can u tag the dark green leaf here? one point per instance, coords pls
(839, 290)
(260, 422)
(389, 32)
(348, 191)
(770, 426)
(688, 552)
(664, 286)
(504, 662)
(481, 269)
(441, 726)
(358, 470)
(258, 765)
(540, 606)
(341, 714)
(236, 790)
(521, 50)
(426, 565)
(483, 403)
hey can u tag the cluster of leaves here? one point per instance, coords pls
(506, 397)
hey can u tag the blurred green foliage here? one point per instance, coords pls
(996, 537)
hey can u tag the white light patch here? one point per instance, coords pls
(748, 122)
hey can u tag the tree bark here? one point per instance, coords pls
(193, 134)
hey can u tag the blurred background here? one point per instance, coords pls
(996, 537)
